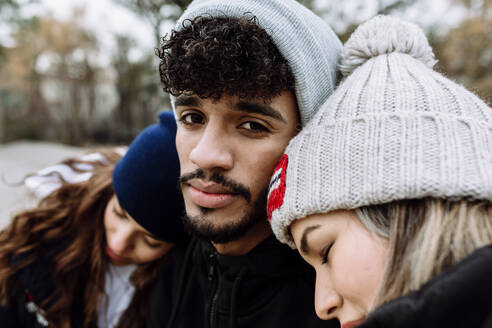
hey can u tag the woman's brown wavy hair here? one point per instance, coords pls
(67, 227)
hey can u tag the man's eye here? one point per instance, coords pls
(191, 118)
(254, 127)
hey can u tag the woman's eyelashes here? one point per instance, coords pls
(119, 213)
(152, 244)
(325, 252)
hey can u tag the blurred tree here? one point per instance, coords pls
(476, 7)
(137, 90)
(387, 8)
(346, 16)
(46, 63)
(128, 80)
(465, 52)
(50, 81)
(308, 3)
(156, 12)
(19, 77)
(71, 71)
(9, 18)
(9, 14)
(7, 7)
(138, 84)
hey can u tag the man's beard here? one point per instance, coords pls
(203, 227)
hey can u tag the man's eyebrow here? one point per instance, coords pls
(304, 243)
(265, 110)
(190, 101)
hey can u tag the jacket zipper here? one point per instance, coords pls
(211, 275)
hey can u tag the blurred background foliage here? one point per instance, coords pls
(54, 87)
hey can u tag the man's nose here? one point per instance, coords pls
(327, 301)
(213, 151)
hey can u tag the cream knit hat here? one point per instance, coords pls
(394, 129)
(307, 42)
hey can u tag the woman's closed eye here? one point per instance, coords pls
(325, 252)
(153, 243)
(119, 213)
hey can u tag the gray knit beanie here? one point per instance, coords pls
(394, 129)
(307, 43)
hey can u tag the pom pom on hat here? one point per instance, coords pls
(145, 180)
(384, 35)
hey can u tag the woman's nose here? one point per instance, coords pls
(120, 241)
(327, 301)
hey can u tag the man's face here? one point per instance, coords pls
(227, 151)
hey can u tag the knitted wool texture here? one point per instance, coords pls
(307, 43)
(394, 129)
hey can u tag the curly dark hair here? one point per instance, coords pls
(211, 56)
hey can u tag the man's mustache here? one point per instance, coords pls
(219, 178)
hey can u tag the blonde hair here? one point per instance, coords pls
(426, 236)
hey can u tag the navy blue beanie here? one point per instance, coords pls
(145, 180)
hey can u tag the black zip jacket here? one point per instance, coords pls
(268, 287)
(460, 297)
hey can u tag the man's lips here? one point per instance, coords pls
(113, 256)
(209, 196)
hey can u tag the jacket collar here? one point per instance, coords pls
(269, 258)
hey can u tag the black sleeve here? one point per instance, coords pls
(161, 299)
(15, 314)
(8, 317)
(31, 285)
(159, 305)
